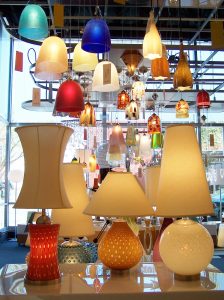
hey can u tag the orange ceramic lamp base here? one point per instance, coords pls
(120, 248)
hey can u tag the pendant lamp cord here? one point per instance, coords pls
(101, 231)
(180, 23)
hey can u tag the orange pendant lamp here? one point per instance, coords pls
(122, 100)
(154, 124)
(88, 117)
(160, 67)
(131, 59)
(182, 109)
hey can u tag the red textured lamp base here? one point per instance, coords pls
(43, 259)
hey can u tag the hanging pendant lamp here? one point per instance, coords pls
(203, 99)
(117, 138)
(33, 23)
(122, 100)
(83, 61)
(92, 163)
(52, 60)
(105, 78)
(182, 79)
(88, 117)
(152, 45)
(132, 111)
(114, 150)
(131, 59)
(154, 124)
(138, 90)
(131, 136)
(69, 97)
(145, 146)
(160, 67)
(156, 140)
(182, 109)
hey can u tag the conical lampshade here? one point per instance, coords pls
(88, 117)
(114, 151)
(72, 221)
(182, 109)
(83, 61)
(105, 78)
(152, 45)
(52, 59)
(117, 138)
(69, 97)
(160, 67)
(96, 36)
(203, 99)
(131, 59)
(33, 23)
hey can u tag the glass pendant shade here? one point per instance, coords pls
(88, 117)
(33, 23)
(122, 100)
(156, 140)
(69, 97)
(152, 45)
(114, 151)
(132, 111)
(83, 61)
(182, 79)
(92, 163)
(52, 59)
(138, 90)
(117, 138)
(160, 67)
(203, 99)
(131, 59)
(96, 36)
(182, 109)
(145, 146)
(154, 124)
(105, 78)
(130, 136)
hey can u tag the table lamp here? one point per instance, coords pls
(43, 147)
(73, 223)
(186, 247)
(119, 195)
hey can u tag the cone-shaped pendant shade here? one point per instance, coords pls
(96, 36)
(182, 109)
(69, 97)
(105, 78)
(52, 59)
(87, 117)
(152, 45)
(203, 99)
(131, 59)
(160, 67)
(72, 221)
(83, 61)
(114, 151)
(33, 23)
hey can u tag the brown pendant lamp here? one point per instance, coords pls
(182, 109)
(182, 79)
(131, 58)
(87, 117)
(160, 67)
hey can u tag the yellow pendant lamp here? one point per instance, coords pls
(92, 163)
(87, 117)
(182, 109)
(160, 67)
(83, 61)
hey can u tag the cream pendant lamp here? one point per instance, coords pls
(152, 45)
(52, 60)
(105, 77)
(83, 61)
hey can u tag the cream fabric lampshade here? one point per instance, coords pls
(151, 183)
(105, 78)
(183, 189)
(72, 221)
(119, 195)
(83, 61)
(52, 60)
(43, 147)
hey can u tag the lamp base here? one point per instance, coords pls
(187, 277)
(71, 252)
(45, 282)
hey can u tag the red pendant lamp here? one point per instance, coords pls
(203, 99)
(69, 97)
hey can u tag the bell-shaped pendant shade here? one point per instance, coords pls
(145, 146)
(122, 100)
(182, 79)
(203, 99)
(52, 59)
(131, 136)
(83, 61)
(33, 23)
(132, 111)
(157, 141)
(88, 117)
(96, 36)
(69, 97)
(138, 90)
(160, 67)
(152, 45)
(154, 124)
(182, 109)
(105, 78)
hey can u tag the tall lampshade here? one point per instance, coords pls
(105, 78)
(122, 100)
(117, 137)
(203, 99)
(160, 67)
(152, 45)
(96, 36)
(119, 195)
(157, 140)
(132, 111)
(33, 23)
(83, 61)
(151, 183)
(145, 146)
(114, 150)
(154, 125)
(182, 79)
(87, 117)
(130, 136)
(182, 109)
(69, 97)
(131, 59)
(138, 90)
(43, 147)
(186, 247)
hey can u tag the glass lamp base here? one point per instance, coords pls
(73, 252)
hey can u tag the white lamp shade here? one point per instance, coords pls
(83, 61)
(105, 78)
(183, 189)
(119, 195)
(43, 147)
(72, 221)
(145, 146)
(151, 183)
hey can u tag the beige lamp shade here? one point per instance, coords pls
(105, 78)
(119, 195)
(151, 183)
(72, 221)
(43, 147)
(145, 146)
(117, 138)
(183, 189)
(152, 45)
(83, 61)
(52, 60)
